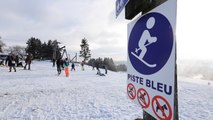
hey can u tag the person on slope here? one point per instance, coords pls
(11, 62)
(73, 67)
(58, 64)
(28, 61)
(66, 67)
(105, 68)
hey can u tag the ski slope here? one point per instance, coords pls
(40, 94)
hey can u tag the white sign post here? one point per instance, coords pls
(151, 61)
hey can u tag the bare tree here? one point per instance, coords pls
(1, 45)
(17, 50)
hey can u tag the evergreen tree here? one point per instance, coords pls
(49, 49)
(109, 63)
(44, 51)
(100, 63)
(121, 67)
(84, 52)
(34, 47)
(91, 62)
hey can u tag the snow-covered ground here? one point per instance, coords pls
(39, 94)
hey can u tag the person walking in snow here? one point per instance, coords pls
(82, 65)
(73, 67)
(28, 61)
(105, 68)
(66, 65)
(58, 64)
(11, 62)
(17, 60)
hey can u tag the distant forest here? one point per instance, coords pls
(108, 63)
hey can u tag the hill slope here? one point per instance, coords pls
(40, 94)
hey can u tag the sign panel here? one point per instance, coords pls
(151, 60)
(120, 4)
(131, 91)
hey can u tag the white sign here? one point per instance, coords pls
(151, 60)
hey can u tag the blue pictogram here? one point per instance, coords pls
(150, 43)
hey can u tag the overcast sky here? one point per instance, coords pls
(69, 21)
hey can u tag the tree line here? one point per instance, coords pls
(108, 63)
(35, 47)
(40, 50)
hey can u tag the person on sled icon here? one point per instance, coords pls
(145, 40)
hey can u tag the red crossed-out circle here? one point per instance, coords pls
(143, 98)
(163, 115)
(131, 91)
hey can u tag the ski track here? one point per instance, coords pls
(39, 94)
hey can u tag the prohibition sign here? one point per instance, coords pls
(131, 91)
(160, 106)
(143, 98)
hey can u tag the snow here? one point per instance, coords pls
(40, 94)
(195, 99)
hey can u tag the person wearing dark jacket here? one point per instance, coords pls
(17, 60)
(99, 72)
(73, 67)
(58, 64)
(28, 61)
(11, 63)
(105, 68)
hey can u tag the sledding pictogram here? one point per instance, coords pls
(143, 98)
(161, 108)
(131, 91)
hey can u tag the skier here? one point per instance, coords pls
(146, 37)
(145, 40)
(11, 62)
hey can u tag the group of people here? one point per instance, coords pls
(12, 61)
(64, 64)
(99, 72)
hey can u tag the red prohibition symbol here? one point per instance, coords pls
(161, 108)
(131, 91)
(143, 98)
